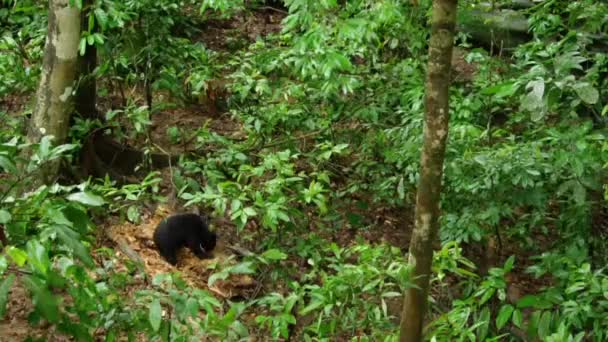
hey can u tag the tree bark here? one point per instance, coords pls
(431, 168)
(51, 115)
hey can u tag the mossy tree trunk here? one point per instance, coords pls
(60, 66)
(431, 169)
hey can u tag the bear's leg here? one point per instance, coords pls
(169, 255)
(195, 246)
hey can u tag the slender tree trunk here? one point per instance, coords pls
(431, 168)
(59, 69)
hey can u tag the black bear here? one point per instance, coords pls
(184, 230)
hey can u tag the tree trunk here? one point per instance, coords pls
(60, 65)
(431, 167)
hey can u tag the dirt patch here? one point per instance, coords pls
(15, 325)
(193, 270)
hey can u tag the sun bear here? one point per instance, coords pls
(184, 230)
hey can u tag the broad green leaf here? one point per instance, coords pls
(217, 276)
(528, 301)
(311, 307)
(401, 189)
(38, 256)
(98, 38)
(8, 165)
(44, 148)
(587, 93)
(5, 216)
(133, 214)
(192, 307)
(533, 101)
(274, 254)
(504, 315)
(155, 315)
(46, 303)
(86, 198)
(19, 256)
(484, 323)
(72, 240)
(91, 23)
(245, 267)
(82, 46)
(517, 318)
(544, 325)
(579, 193)
(501, 90)
(5, 286)
(102, 18)
(78, 217)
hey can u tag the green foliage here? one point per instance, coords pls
(331, 112)
(23, 29)
(351, 298)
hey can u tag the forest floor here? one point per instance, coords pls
(391, 226)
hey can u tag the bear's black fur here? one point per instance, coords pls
(184, 230)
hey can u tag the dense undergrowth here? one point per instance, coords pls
(331, 110)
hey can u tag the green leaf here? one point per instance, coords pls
(501, 90)
(78, 217)
(579, 193)
(311, 307)
(483, 321)
(509, 263)
(517, 318)
(46, 304)
(249, 211)
(528, 301)
(533, 100)
(38, 256)
(82, 46)
(504, 315)
(274, 254)
(8, 165)
(71, 239)
(243, 268)
(91, 23)
(102, 18)
(401, 189)
(86, 198)
(44, 147)
(5, 286)
(5, 216)
(133, 214)
(587, 92)
(18, 255)
(217, 276)
(544, 325)
(98, 38)
(155, 315)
